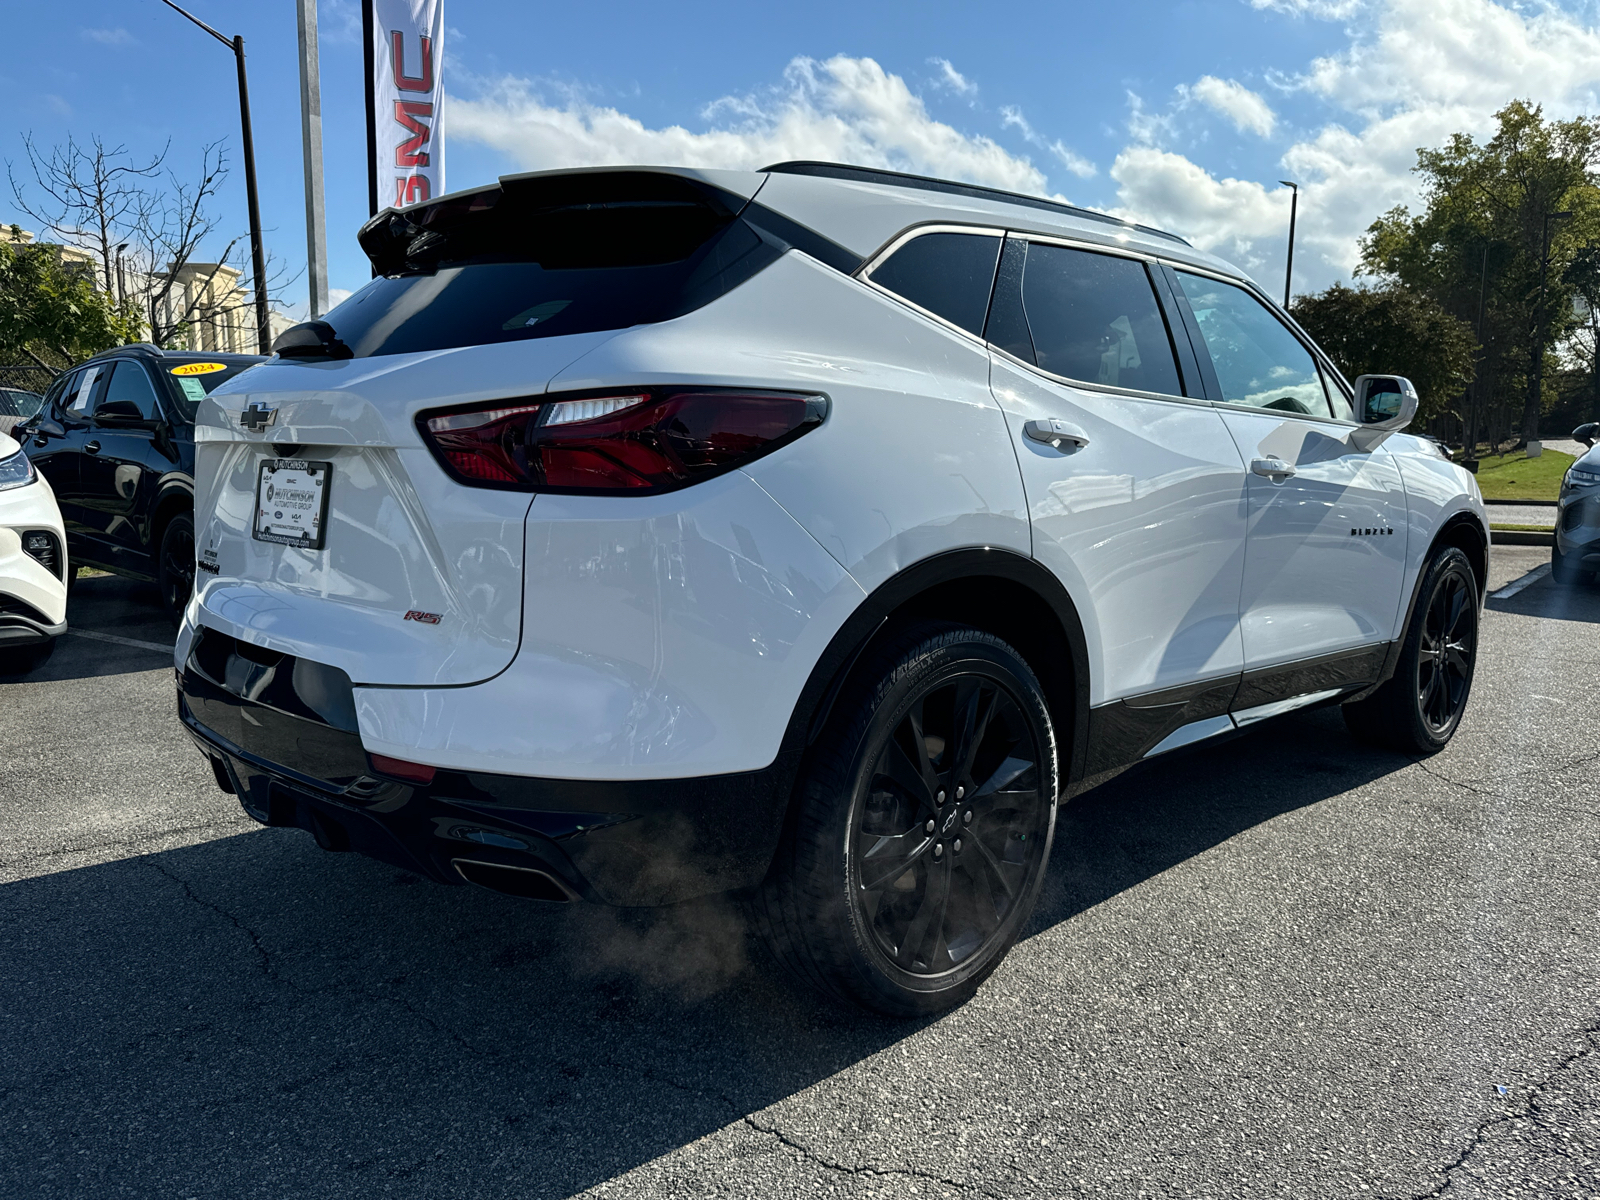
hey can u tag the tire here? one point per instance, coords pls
(864, 901)
(1563, 573)
(175, 565)
(1419, 709)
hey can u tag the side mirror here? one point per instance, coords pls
(119, 412)
(1386, 402)
(1586, 433)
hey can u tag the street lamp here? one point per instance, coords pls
(1294, 208)
(1535, 400)
(258, 255)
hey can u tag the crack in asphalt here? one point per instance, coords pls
(1443, 778)
(877, 1172)
(267, 968)
(1530, 1106)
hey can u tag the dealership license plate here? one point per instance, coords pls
(292, 502)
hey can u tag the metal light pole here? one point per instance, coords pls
(1294, 208)
(258, 254)
(1535, 400)
(311, 142)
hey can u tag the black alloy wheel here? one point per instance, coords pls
(1419, 709)
(175, 565)
(1445, 655)
(947, 826)
(924, 827)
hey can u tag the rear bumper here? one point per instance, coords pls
(631, 843)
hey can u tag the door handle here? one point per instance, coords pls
(1274, 469)
(1057, 433)
(91, 447)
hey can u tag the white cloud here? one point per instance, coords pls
(953, 79)
(108, 37)
(843, 110)
(1414, 72)
(1326, 10)
(1247, 110)
(1011, 117)
(337, 296)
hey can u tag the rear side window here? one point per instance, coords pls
(1094, 317)
(1259, 362)
(129, 394)
(950, 274)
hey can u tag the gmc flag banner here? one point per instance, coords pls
(405, 92)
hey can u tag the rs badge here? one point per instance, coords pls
(426, 618)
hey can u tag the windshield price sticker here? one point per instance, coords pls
(199, 369)
(292, 502)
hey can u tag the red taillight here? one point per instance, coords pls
(399, 768)
(640, 441)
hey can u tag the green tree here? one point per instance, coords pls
(1376, 330)
(1477, 247)
(50, 314)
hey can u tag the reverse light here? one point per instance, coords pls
(643, 441)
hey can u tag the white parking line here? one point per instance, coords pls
(1516, 585)
(121, 641)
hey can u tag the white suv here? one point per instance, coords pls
(33, 563)
(639, 534)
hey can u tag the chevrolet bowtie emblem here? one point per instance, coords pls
(257, 417)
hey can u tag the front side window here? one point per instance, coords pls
(1259, 363)
(950, 274)
(129, 395)
(1094, 317)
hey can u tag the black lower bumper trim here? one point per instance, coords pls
(632, 843)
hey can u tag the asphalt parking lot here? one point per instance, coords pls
(1285, 966)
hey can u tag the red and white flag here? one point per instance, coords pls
(407, 57)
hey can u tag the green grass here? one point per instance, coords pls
(1518, 477)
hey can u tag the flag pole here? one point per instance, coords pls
(311, 143)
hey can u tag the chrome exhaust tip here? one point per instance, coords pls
(528, 882)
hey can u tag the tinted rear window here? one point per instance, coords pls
(501, 268)
(950, 274)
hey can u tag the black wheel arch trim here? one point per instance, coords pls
(1458, 523)
(873, 616)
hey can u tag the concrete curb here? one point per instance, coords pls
(1520, 537)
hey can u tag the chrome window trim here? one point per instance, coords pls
(1114, 252)
(1105, 388)
(864, 272)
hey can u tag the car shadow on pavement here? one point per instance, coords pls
(1553, 601)
(252, 1015)
(110, 605)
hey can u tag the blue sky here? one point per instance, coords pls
(1184, 115)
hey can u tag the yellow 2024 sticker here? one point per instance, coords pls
(199, 368)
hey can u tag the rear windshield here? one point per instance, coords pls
(193, 381)
(503, 269)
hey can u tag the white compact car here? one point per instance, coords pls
(813, 532)
(33, 563)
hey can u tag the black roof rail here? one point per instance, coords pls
(927, 183)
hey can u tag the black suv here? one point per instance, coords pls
(115, 438)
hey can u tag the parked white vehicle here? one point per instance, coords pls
(33, 563)
(637, 534)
